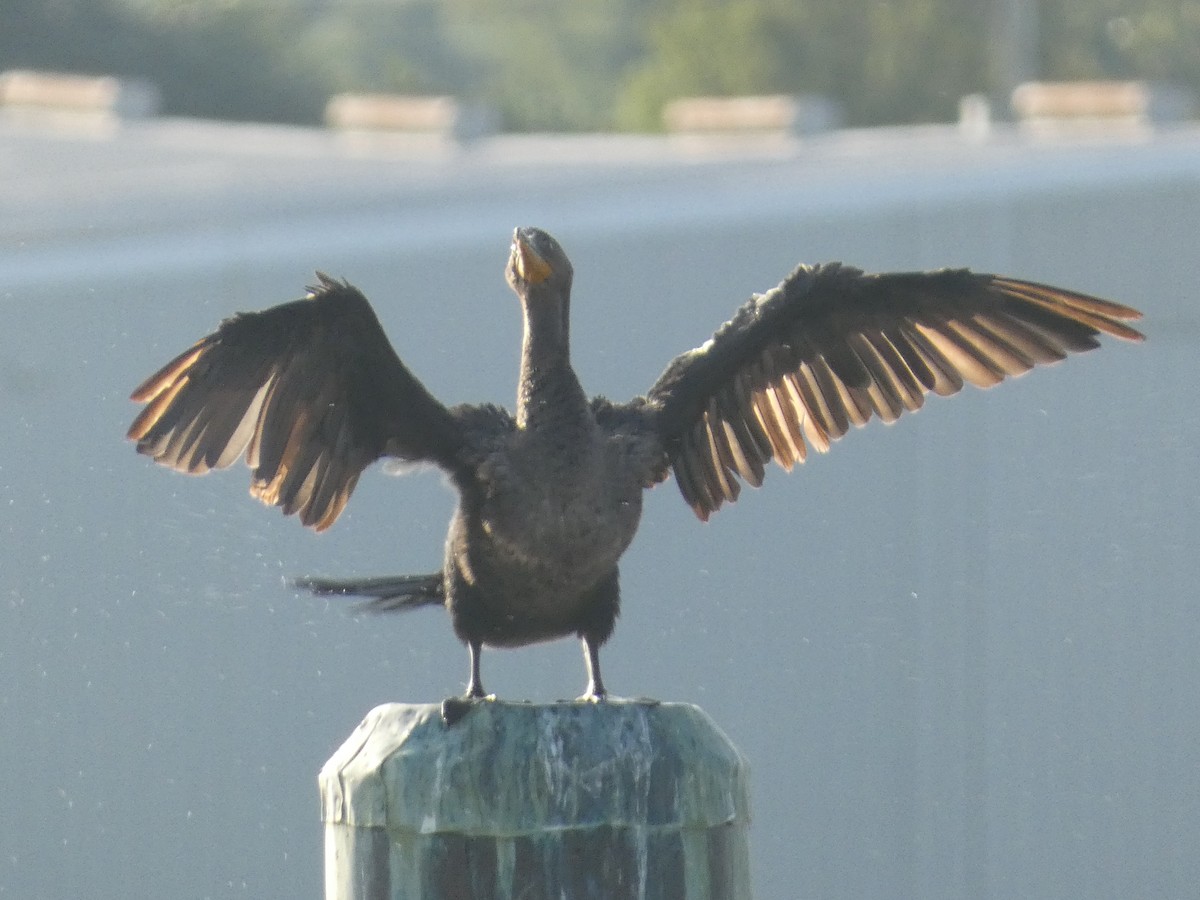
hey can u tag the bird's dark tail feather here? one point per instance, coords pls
(390, 593)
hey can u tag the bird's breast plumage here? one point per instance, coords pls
(566, 503)
(553, 518)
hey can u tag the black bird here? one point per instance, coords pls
(310, 393)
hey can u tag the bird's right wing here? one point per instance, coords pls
(831, 347)
(310, 392)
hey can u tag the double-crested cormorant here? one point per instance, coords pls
(311, 393)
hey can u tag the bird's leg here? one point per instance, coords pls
(591, 658)
(475, 689)
(454, 708)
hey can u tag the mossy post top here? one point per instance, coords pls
(510, 769)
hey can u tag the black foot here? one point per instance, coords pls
(454, 709)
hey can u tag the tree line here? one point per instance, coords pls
(582, 66)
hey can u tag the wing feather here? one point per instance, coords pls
(309, 393)
(947, 379)
(818, 418)
(831, 347)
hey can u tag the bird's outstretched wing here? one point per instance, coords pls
(310, 392)
(831, 347)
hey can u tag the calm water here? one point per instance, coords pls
(959, 652)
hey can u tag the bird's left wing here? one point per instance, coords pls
(831, 347)
(310, 392)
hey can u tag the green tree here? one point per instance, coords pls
(68, 35)
(883, 61)
(598, 64)
(1150, 39)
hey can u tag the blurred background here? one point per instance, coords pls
(959, 652)
(606, 64)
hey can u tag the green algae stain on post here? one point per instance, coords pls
(614, 800)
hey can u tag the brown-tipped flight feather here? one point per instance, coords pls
(832, 347)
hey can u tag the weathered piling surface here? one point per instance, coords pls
(624, 799)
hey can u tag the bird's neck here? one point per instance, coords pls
(548, 392)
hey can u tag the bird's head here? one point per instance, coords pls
(537, 265)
